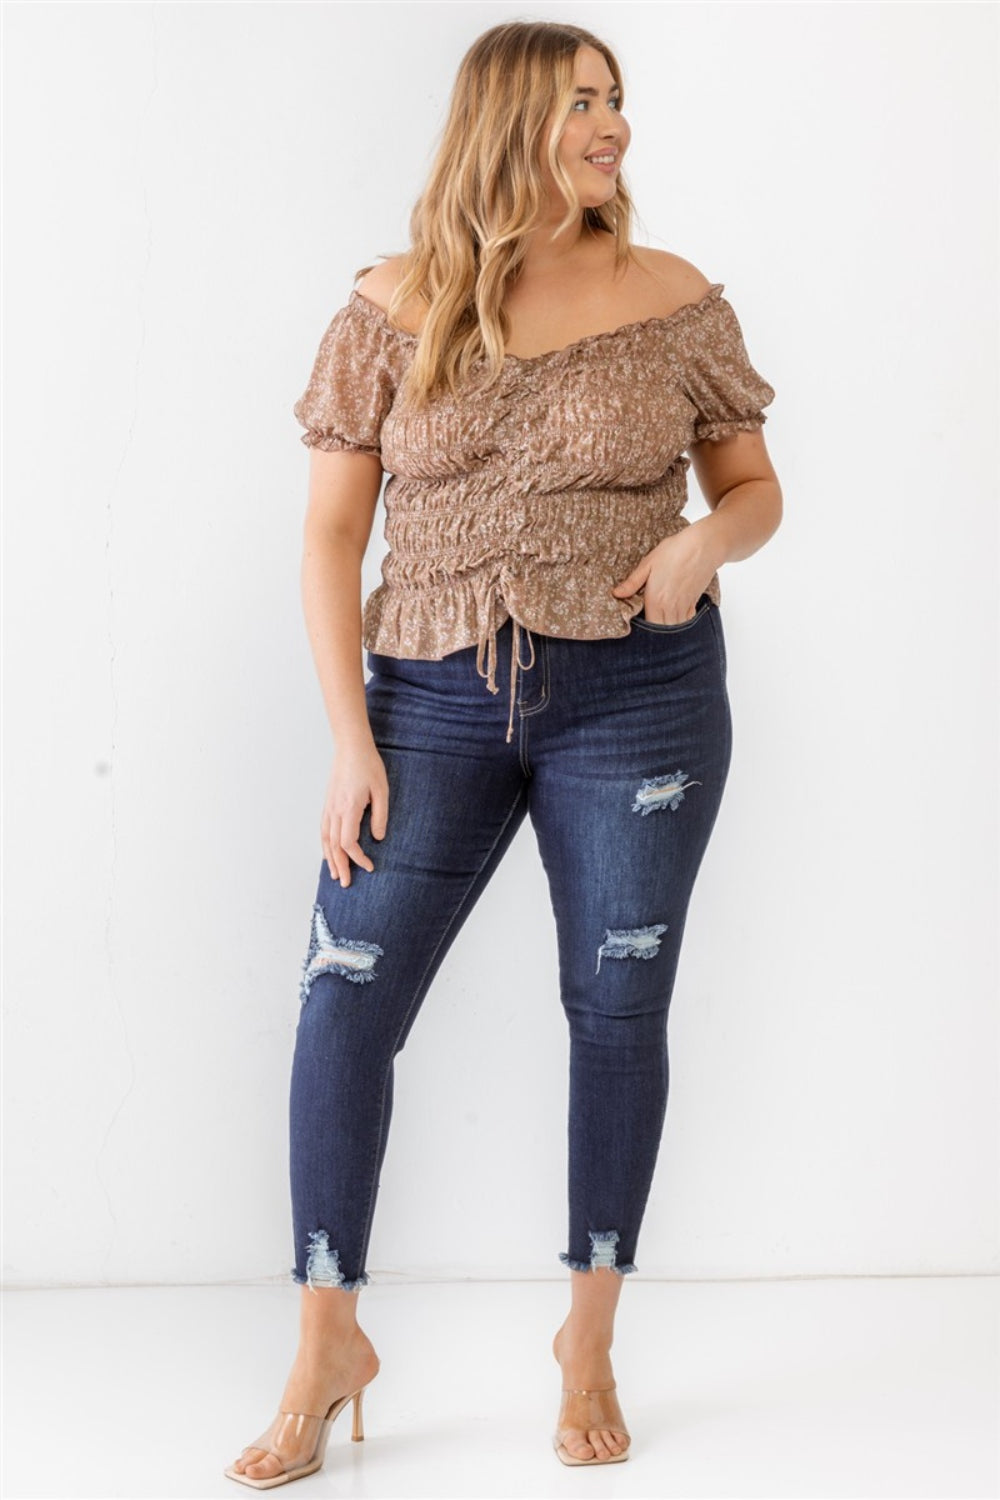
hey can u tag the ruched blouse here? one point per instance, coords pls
(532, 500)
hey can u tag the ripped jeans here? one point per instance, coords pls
(620, 759)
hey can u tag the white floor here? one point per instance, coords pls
(833, 1388)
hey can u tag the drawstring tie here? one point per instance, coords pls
(488, 646)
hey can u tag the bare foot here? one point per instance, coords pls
(316, 1381)
(586, 1365)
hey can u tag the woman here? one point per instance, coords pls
(529, 379)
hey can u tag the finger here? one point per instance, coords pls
(339, 867)
(350, 830)
(359, 856)
(350, 834)
(380, 814)
(336, 859)
(327, 851)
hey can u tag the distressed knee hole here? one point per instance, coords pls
(351, 957)
(630, 942)
(658, 792)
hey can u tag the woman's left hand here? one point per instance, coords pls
(672, 577)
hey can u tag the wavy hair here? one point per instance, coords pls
(485, 192)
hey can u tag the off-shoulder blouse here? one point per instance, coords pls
(532, 500)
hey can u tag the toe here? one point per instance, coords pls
(597, 1439)
(265, 1467)
(576, 1444)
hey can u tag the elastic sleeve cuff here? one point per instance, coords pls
(712, 431)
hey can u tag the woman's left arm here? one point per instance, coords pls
(742, 493)
(744, 498)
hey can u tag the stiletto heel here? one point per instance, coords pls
(357, 1431)
(585, 1410)
(298, 1441)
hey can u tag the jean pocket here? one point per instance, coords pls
(701, 608)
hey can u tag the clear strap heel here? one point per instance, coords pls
(298, 1441)
(584, 1410)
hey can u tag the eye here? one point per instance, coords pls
(615, 100)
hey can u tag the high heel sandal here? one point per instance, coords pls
(586, 1410)
(291, 1431)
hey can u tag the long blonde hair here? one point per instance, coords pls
(485, 192)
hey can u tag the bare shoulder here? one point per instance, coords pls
(679, 281)
(380, 282)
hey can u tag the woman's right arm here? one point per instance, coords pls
(344, 487)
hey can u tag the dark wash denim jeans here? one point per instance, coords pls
(620, 760)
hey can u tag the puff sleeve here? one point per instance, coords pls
(725, 391)
(353, 382)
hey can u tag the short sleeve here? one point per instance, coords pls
(725, 391)
(353, 382)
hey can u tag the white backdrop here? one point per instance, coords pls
(188, 192)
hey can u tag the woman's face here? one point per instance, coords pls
(595, 127)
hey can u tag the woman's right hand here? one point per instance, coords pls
(358, 777)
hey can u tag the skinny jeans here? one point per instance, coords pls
(620, 758)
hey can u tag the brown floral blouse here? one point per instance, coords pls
(532, 500)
